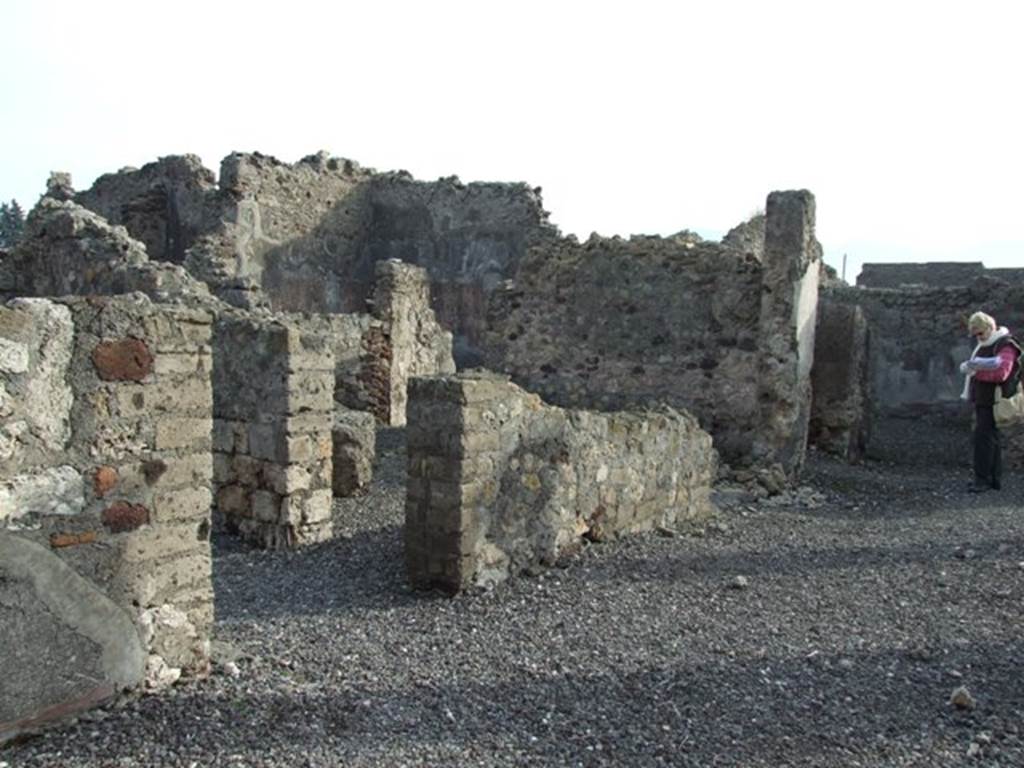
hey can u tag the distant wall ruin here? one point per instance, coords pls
(105, 436)
(500, 483)
(919, 338)
(932, 274)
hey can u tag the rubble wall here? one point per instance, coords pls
(273, 414)
(500, 483)
(104, 501)
(469, 237)
(841, 407)
(69, 250)
(614, 324)
(919, 338)
(165, 205)
(306, 237)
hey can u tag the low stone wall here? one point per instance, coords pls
(273, 413)
(500, 483)
(105, 434)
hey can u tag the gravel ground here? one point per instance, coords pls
(826, 627)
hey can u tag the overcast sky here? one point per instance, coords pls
(904, 118)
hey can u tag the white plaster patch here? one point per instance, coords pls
(54, 491)
(13, 356)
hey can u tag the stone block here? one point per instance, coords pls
(67, 646)
(194, 433)
(14, 356)
(234, 501)
(104, 480)
(180, 364)
(266, 441)
(157, 542)
(184, 504)
(285, 479)
(266, 506)
(144, 400)
(354, 440)
(308, 508)
(184, 578)
(187, 471)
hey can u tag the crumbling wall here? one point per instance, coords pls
(469, 237)
(288, 234)
(841, 406)
(166, 205)
(307, 236)
(613, 324)
(273, 414)
(69, 250)
(500, 483)
(104, 501)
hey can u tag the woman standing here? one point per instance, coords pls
(994, 363)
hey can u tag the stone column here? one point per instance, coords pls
(840, 412)
(273, 409)
(789, 301)
(418, 345)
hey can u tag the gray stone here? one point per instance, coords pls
(354, 440)
(64, 645)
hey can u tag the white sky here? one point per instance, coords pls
(905, 119)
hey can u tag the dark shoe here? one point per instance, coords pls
(979, 486)
(996, 485)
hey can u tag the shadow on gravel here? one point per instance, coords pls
(363, 572)
(819, 710)
(673, 564)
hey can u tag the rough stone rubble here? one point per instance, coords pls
(178, 354)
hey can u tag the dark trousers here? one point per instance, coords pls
(988, 454)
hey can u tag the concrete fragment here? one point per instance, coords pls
(66, 647)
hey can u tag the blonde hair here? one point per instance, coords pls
(979, 321)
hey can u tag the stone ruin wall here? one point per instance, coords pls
(273, 412)
(723, 332)
(68, 250)
(500, 483)
(307, 236)
(105, 489)
(919, 338)
(72, 249)
(165, 205)
(933, 274)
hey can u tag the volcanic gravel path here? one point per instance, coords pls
(825, 627)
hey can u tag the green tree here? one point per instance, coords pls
(12, 224)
